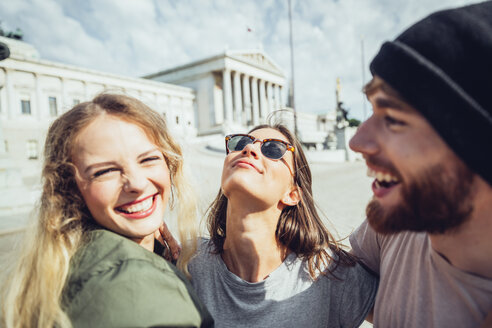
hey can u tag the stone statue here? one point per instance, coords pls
(4, 51)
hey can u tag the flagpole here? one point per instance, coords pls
(363, 77)
(291, 93)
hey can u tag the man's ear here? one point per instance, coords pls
(292, 197)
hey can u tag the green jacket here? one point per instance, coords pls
(114, 282)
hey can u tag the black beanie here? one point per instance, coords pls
(442, 66)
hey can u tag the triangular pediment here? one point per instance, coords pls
(257, 58)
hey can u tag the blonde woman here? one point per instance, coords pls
(270, 261)
(110, 168)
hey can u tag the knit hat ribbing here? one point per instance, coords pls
(442, 66)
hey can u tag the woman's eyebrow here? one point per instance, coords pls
(100, 164)
(145, 153)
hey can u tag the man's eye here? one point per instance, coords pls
(391, 122)
(102, 172)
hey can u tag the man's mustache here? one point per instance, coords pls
(383, 165)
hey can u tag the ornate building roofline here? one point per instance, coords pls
(256, 58)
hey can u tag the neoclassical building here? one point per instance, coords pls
(33, 92)
(234, 90)
(230, 92)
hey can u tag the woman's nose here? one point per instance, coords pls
(134, 181)
(364, 140)
(251, 149)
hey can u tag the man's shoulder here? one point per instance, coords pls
(405, 245)
(374, 249)
(365, 234)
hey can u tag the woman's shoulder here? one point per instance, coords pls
(205, 245)
(205, 257)
(103, 248)
(338, 264)
(115, 275)
(205, 250)
(107, 254)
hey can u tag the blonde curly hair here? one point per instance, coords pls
(32, 292)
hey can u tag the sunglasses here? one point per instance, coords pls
(270, 148)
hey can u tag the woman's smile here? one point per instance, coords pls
(139, 209)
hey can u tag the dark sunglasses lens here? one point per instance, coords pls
(273, 149)
(238, 143)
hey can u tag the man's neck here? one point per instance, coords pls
(251, 250)
(469, 248)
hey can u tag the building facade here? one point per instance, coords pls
(234, 90)
(33, 92)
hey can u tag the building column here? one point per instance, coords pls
(238, 102)
(9, 86)
(64, 104)
(271, 106)
(278, 101)
(254, 96)
(2, 140)
(226, 87)
(263, 103)
(246, 101)
(86, 91)
(3, 151)
(38, 104)
(281, 92)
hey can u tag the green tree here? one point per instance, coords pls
(353, 122)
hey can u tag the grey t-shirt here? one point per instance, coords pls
(418, 287)
(288, 297)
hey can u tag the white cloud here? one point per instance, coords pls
(135, 38)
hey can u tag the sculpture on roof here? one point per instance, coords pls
(341, 111)
(17, 34)
(4, 51)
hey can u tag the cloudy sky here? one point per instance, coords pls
(139, 37)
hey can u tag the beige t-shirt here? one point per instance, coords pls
(418, 287)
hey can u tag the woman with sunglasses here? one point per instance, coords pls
(270, 261)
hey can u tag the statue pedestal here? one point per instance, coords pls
(341, 138)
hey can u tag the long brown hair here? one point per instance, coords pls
(34, 288)
(300, 228)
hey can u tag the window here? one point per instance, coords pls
(76, 102)
(53, 106)
(26, 107)
(177, 119)
(32, 149)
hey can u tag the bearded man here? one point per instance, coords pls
(428, 144)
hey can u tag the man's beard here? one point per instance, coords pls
(435, 202)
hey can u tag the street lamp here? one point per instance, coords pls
(291, 93)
